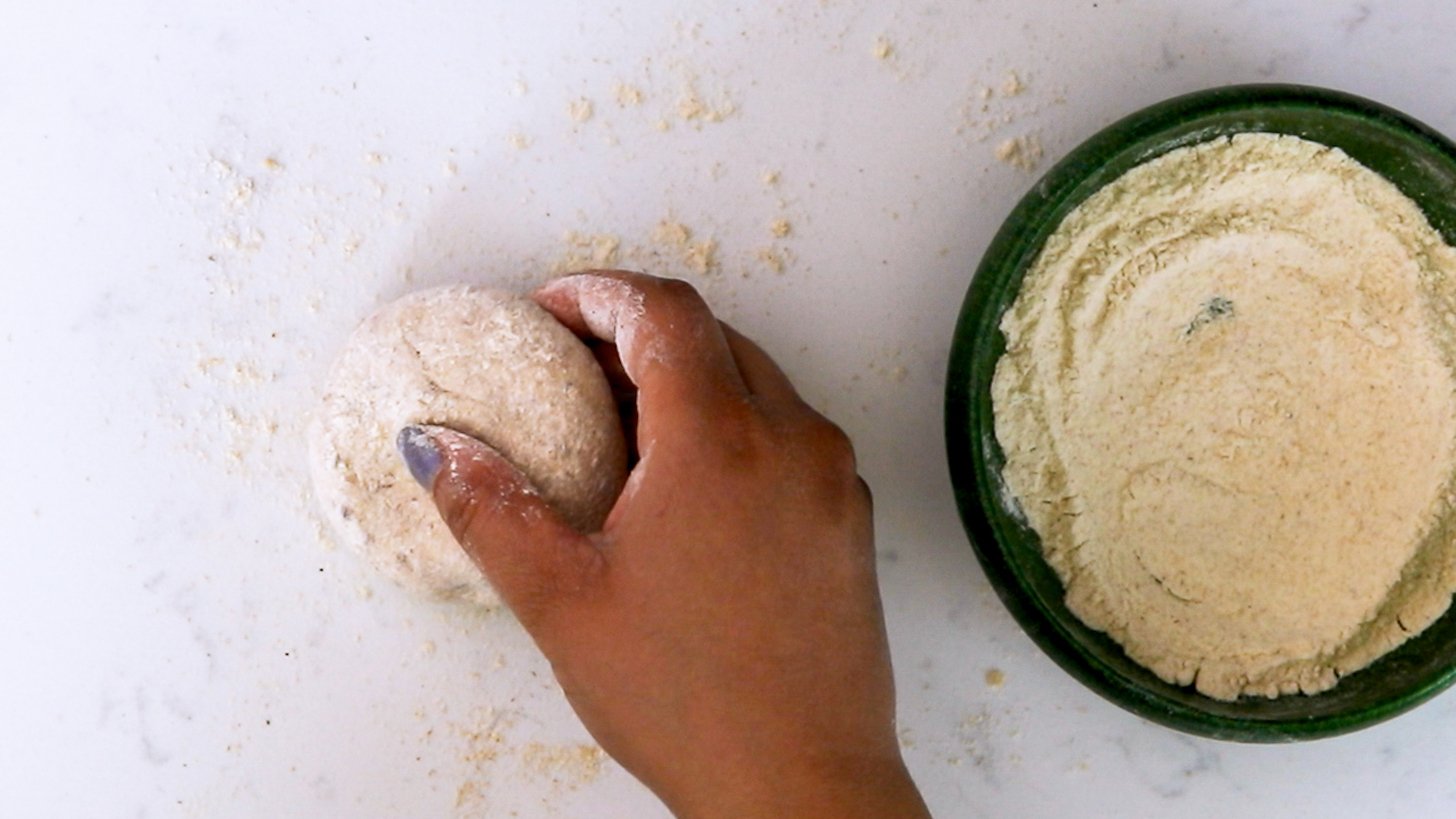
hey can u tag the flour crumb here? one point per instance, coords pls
(373, 158)
(702, 257)
(995, 678)
(568, 765)
(1023, 152)
(628, 96)
(272, 164)
(580, 110)
(250, 240)
(519, 141)
(469, 795)
(662, 125)
(241, 192)
(780, 228)
(770, 178)
(518, 88)
(883, 49)
(691, 107)
(1012, 85)
(671, 233)
(697, 256)
(484, 735)
(449, 168)
(771, 258)
(592, 251)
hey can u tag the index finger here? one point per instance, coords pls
(670, 344)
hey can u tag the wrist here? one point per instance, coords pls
(838, 788)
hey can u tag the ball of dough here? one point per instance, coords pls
(490, 364)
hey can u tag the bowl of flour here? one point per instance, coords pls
(1201, 413)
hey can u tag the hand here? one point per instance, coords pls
(722, 636)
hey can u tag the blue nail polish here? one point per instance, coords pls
(421, 455)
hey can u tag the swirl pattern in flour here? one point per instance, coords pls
(1228, 408)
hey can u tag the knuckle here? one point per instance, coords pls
(866, 495)
(740, 440)
(732, 422)
(677, 301)
(674, 309)
(828, 465)
(834, 447)
(679, 292)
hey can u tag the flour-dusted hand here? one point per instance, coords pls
(722, 636)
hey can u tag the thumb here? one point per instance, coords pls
(528, 552)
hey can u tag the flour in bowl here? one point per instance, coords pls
(1228, 408)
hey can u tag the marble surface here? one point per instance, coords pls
(200, 199)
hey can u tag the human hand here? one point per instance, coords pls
(722, 637)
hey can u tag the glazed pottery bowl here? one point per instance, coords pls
(1420, 162)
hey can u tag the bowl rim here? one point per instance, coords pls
(974, 457)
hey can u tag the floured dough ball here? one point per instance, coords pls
(490, 364)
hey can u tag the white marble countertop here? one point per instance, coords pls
(197, 200)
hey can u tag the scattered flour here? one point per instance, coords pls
(699, 256)
(580, 110)
(570, 766)
(773, 258)
(588, 251)
(1021, 152)
(1012, 86)
(627, 96)
(694, 109)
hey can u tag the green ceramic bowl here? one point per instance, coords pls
(1420, 162)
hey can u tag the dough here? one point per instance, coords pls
(1227, 408)
(490, 364)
